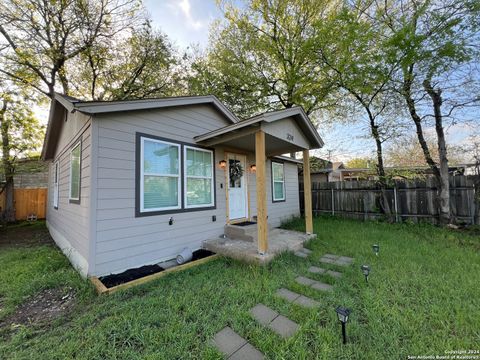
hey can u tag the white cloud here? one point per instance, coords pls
(186, 9)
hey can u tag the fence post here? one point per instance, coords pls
(333, 203)
(473, 205)
(395, 201)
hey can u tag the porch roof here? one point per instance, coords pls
(286, 131)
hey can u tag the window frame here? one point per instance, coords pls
(138, 177)
(56, 183)
(186, 176)
(142, 210)
(70, 198)
(275, 200)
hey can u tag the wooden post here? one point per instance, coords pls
(260, 163)
(307, 192)
(333, 202)
(395, 200)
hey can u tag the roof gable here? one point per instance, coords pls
(296, 113)
(61, 103)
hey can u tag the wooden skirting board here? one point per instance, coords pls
(102, 289)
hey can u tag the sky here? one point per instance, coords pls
(187, 22)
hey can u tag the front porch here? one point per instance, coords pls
(268, 136)
(245, 247)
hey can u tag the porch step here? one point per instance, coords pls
(245, 233)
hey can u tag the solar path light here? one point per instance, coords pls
(343, 314)
(366, 271)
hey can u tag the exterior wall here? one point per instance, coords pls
(282, 210)
(69, 224)
(124, 241)
(315, 178)
(31, 180)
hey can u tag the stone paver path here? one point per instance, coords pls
(234, 347)
(336, 260)
(303, 252)
(314, 284)
(278, 323)
(317, 270)
(295, 298)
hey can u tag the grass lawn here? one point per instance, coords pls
(423, 299)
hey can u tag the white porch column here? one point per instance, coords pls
(260, 162)
(307, 192)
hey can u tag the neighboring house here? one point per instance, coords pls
(337, 172)
(323, 170)
(134, 182)
(29, 174)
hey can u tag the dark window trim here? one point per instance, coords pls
(284, 180)
(185, 177)
(138, 175)
(56, 166)
(75, 201)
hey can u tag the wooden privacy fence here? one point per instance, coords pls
(414, 200)
(27, 202)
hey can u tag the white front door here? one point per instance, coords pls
(237, 186)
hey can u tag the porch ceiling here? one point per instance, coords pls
(285, 131)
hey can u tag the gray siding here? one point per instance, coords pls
(123, 240)
(278, 211)
(69, 224)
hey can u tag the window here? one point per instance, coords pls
(278, 182)
(75, 164)
(198, 177)
(160, 187)
(55, 184)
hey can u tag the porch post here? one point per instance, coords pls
(260, 162)
(307, 192)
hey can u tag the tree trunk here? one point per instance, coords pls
(441, 175)
(9, 211)
(444, 189)
(382, 178)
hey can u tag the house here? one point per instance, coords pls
(322, 170)
(30, 173)
(134, 182)
(30, 181)
(395, 172)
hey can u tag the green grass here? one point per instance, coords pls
(423, 299)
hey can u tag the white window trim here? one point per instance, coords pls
(56, 181)
(78, 144)
(185, 176)
(142, 175)
(277, 181)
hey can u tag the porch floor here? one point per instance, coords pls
(279, 240)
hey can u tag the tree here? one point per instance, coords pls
(140, 66)
(20, 133)
(263, 50)
(348, 46)
(359, 163)
(407, 152)
(41, 37)
(435, 44)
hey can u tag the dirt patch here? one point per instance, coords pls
(24, 234)
(42, 308)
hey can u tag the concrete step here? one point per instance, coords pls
(246, 233)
